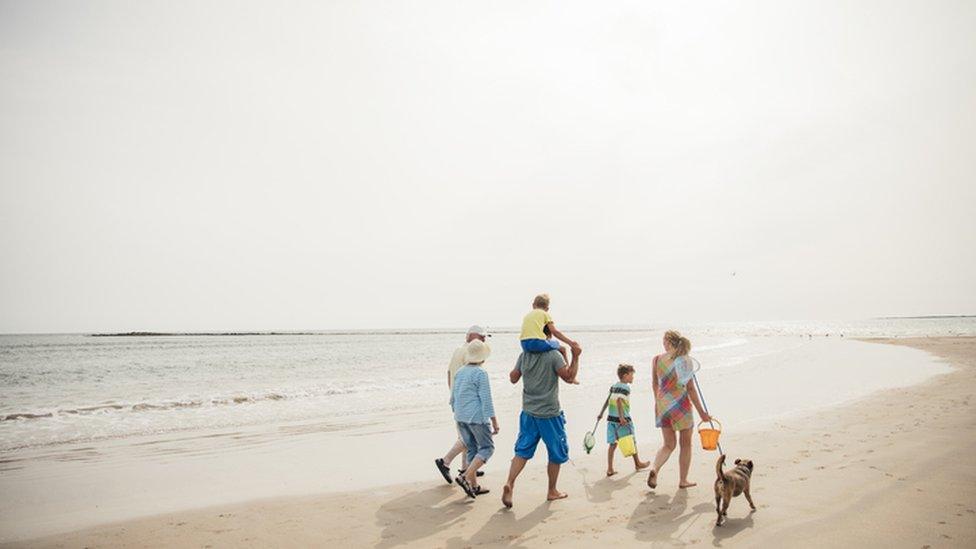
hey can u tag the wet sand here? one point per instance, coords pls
(897, 468)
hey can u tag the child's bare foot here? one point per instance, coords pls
(507, 496)
(687, 484)
(611, 472)
(556, 494)
(652, 479)
(641, 465)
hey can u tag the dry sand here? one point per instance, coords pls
(897, 469)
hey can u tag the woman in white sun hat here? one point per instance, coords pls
(443, 464)
(474, 411)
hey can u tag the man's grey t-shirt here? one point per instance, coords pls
(540, 383)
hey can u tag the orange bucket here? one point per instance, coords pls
(709, 437)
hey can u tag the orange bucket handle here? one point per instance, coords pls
(712, 420)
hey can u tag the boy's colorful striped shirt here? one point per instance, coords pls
(619, 390)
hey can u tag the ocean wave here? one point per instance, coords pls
(723, 345)
(229, 400)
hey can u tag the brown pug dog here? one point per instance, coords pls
(730, 484)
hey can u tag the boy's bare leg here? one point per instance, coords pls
(610, 450)
(553, 471)
(518, 463)
(471, 473)
(639, 465)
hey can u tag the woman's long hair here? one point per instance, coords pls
(680, 345)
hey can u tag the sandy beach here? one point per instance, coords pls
(895, 469)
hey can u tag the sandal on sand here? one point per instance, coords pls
(652, 479)
(463, 483)
(444, 469)
(481, 490)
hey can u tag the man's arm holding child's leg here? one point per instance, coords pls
(568, 373)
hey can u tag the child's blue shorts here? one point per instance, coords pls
(539, 345)
(616, 430)
(552, 431)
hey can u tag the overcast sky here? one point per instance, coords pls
(242, 165)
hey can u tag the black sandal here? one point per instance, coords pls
(478, 474)
(444, 469)
(481, 490)
(463, 483)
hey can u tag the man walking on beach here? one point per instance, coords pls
(541, 417)
(457, 360)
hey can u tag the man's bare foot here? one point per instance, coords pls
(556, 494)
(652, 479)
(507, 496)
(641, 465)
(687, 484)
(611, 472)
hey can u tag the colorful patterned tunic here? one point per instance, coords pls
(673, 407)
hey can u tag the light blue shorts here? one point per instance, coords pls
(477, 439)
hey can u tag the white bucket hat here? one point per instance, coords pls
(477, 352)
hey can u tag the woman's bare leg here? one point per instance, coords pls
(670, 442)
(684, 458)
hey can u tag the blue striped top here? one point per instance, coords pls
(471, 396)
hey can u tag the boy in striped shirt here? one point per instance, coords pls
(619, 423)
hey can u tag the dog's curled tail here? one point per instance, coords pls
(718, 467)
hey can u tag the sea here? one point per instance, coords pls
(68, 388)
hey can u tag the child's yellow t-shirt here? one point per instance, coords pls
(533, 323)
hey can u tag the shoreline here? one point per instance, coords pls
(872, 471)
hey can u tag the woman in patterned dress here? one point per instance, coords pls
(674, 394)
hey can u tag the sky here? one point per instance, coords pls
(404, 164)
